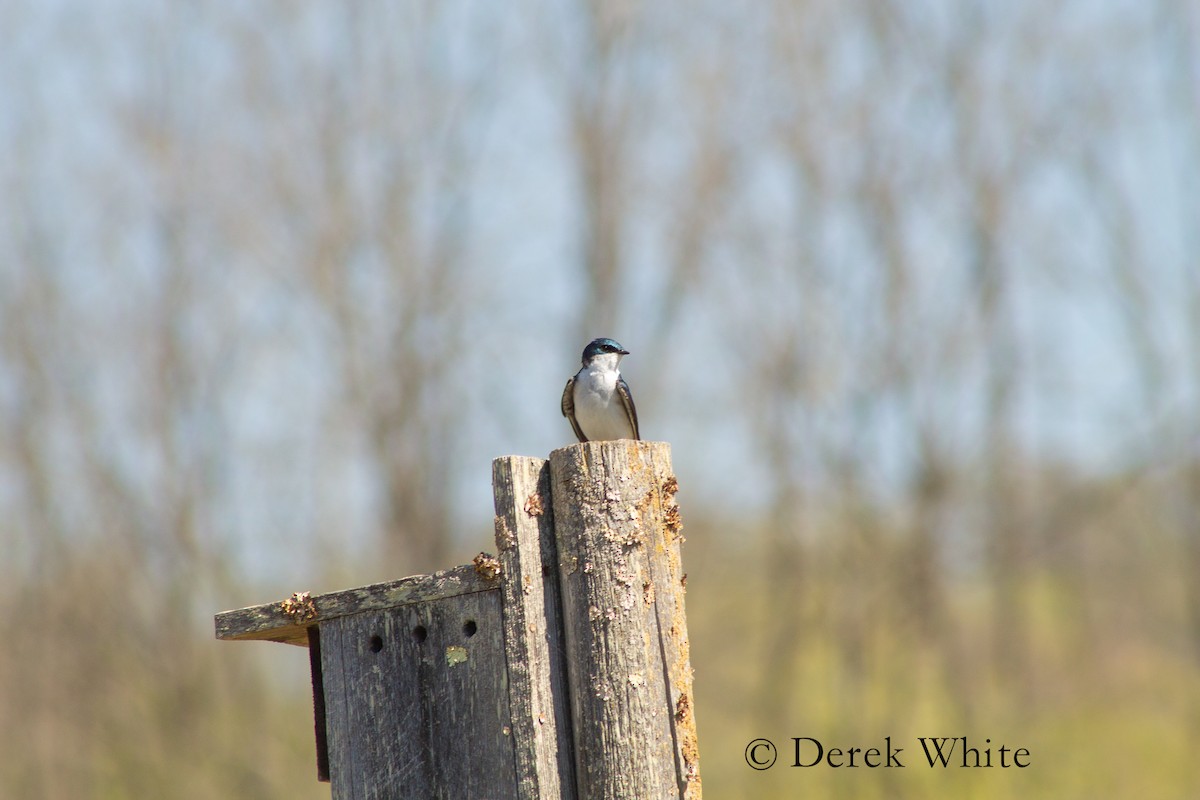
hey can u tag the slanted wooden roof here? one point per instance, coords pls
(288, 620)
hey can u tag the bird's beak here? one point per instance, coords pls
(623, 352)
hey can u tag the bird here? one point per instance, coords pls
(596, 400)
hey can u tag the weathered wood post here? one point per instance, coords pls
(617, 528)
(558, 669)
(537, 666)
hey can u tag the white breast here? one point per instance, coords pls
(598, 407)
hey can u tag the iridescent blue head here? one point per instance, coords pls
(598, 346)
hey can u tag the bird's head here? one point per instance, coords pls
(603, 347)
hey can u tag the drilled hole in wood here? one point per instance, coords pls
(419, 633)
(469, 627)
(376, 644)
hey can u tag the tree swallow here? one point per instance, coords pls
(597, 401)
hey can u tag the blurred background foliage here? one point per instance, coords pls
(912, 288)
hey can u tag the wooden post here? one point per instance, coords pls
(558, 669)
(533, 628)
(617, 528)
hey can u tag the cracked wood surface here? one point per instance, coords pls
(270, 622)
(617, 530)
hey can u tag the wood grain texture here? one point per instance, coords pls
(269, 622)
(417, 702)
(558, 669)
(533, 628)
(617, 529)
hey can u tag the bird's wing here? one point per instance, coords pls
(568, 408)
(630, 408)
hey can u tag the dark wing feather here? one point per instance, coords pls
(568, 408)
(630, 408)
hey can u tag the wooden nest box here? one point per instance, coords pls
(557, 669)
